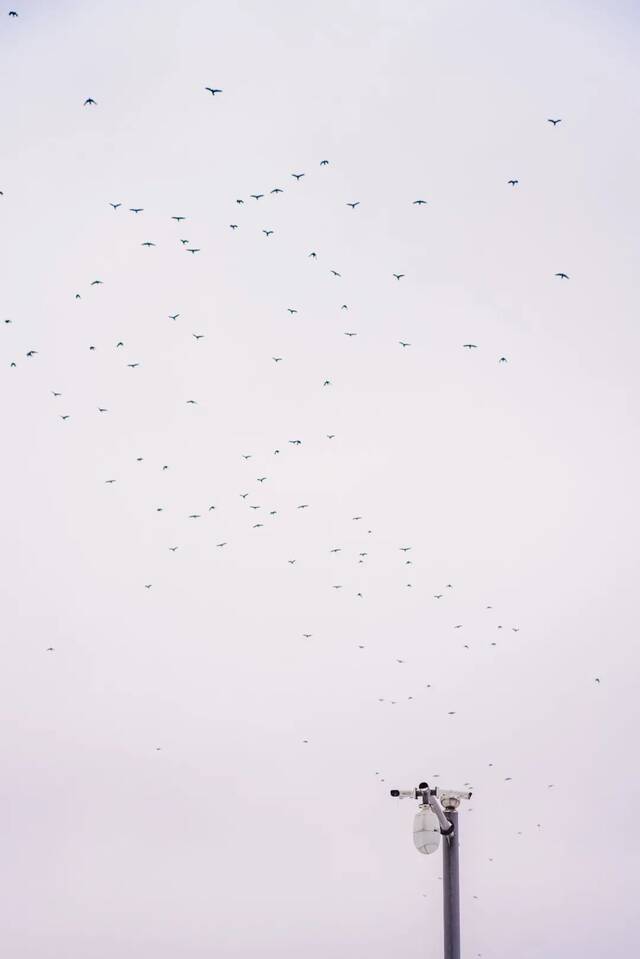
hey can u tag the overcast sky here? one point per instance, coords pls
(186, 773)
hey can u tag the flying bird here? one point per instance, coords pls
(403, 343)
(324, 163)
(89, 102)
(136, 209)
(178, 219)
(173, 316)
(115, 205)
(297, 176)
(147, 243)
(470, 346)
(555, 122)
(267, 232)
(213, 90)
(513, 182)
(419, 202)
(354, 205)
(276, 189)
(398, 276)
(257, 196)
(563, 276)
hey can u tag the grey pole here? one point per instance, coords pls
(451, 889)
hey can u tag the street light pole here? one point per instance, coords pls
(451, 889)
(432, 821)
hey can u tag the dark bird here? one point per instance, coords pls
(32, 353)
(136, 209)
(513, 182)
(303, 506)
(398, 276)
(147, 243)
(555, 122)
(314, 256)
(96, 282)
(257, 196)
(191, 249)
(354, 205)
(239, 201)
(403, 343)
(267, 232)
(110, 481)
(404, 549)
(470, 346)
(502, 359)
(324, 163)
(419, 202)
(213, 90)
(184, 242)
(148, 585)
(257, 525)
(65, 416)
(173, 316)
(438, 595)
(276, 359)
(276, 190)
(56, 394)
(198, 336)
(563, 276)
(172, 549)
(194, 515)
(193, 402)
(597, 680)
(331, 436)
(297, 176)
(178, 219)
(350, 334)
(296, 442)
(220, 544)
(327, 383)
(132, 366)
(115, 205)
(291, 310)
(89, 102)
(233, 226)
(101, 409)
(13, 13)
(335, 273)
(50, 649)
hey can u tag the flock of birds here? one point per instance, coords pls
(258, 516)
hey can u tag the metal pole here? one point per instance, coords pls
(451, 889)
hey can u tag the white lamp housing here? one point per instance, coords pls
(426, 831)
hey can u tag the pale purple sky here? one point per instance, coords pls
(515, 482)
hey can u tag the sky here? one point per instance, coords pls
(184, 771)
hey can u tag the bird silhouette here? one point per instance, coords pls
(213, 90)
(354, 205)
(419, 202)
(297, 176)
(563, 276)
(136, 209)
(267, 232)
(403, 343)
(470, 346)
(324, 163)
(276, 189)
(178, 219)
(89, 102)
(398, 276)
(147, 243)
(555, 122)
(115, 205)
(257, 196)
(173, 316)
